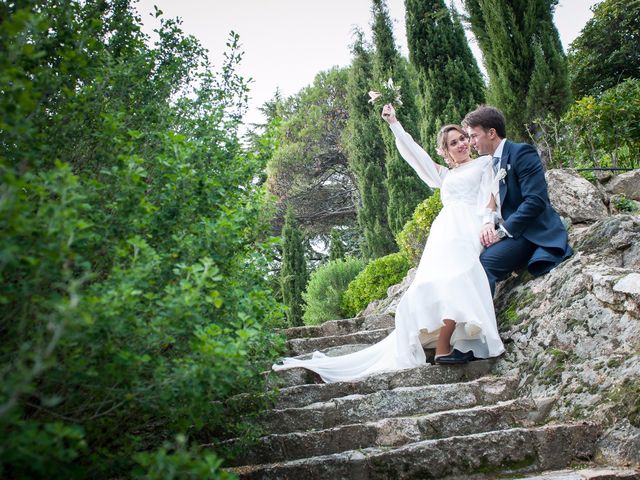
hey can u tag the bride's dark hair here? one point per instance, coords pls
(441, 142)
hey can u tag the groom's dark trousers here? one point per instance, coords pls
(502, 258)
(539, 239)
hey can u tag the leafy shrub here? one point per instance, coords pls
(175, 461)
(372, 283)
(413, 236)
(595, 131)
(326, 288)
(133, 242)
(624, 204)
(607, 129)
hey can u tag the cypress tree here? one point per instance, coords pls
(449, 80)
(336, 247)
(365, 150)
(523, 55)
(404, 187)
(293, 274)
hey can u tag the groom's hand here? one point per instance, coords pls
(488, 235)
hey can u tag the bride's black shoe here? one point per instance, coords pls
(455, 357)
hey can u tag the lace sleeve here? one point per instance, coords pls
(430, 173)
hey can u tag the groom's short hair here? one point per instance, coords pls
(487, 117)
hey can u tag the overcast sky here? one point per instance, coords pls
(287, 42)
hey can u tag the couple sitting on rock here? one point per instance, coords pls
(496, 217)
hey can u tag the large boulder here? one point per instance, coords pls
(574, 197)
(627, 184)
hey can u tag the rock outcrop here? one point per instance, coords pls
(574, 335)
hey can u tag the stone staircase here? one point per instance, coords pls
(446, 422)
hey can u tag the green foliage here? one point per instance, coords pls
(624, 204)
(372, 283)
(365, 151)
(524, 59)
(607, 130)
(336, 247)
(596, 132)
(326, 287)
(404, 188)
(414, 235)
(133, 241)
(440, 52)
(293, 273)
(308, 171)
(175, 461)
(606, 51)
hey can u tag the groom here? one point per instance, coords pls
(529, 231)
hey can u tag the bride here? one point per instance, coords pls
(449, 304)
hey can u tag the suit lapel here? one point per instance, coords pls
(504, 161)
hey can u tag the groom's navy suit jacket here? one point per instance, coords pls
(526, 209)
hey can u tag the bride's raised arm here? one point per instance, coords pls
(429, 171)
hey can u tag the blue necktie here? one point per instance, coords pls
(496, 164)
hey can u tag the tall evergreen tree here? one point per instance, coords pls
(293, 274)
(365, 150)
(450, 82)
(404, 187)
(336, 247)
(524, 59)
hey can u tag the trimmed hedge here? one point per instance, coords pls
(372, 283)
(326, 287)
(413, 236)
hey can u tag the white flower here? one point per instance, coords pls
(500, 174)
(389, 93)
(373, 96)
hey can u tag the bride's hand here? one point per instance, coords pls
(389, 114)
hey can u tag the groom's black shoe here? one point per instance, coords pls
(456, 357)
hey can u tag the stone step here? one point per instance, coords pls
(398, 402)
(388, 432)
(300, 346)
(593, 473)
(296, 395)
(341, 327)
(512, 451)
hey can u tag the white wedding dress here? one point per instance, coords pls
(450, 282)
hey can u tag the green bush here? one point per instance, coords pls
(134, 242)
(605, 132)
(372, 283)
(595, 132)
(624, 204)
(176, 461)
(326, 288)
(413, 236)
